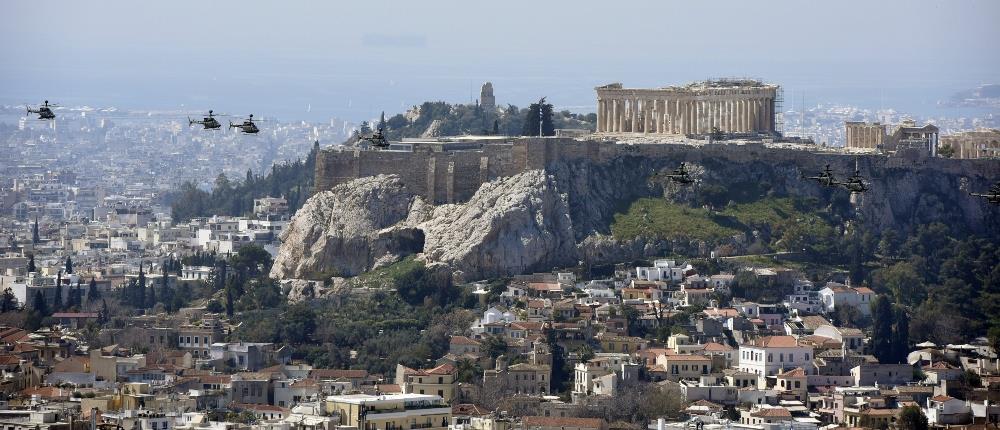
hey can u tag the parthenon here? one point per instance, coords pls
(731, 106)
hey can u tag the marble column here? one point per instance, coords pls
(647, 116)
(732, 116)
(612, 114)
(602, 116)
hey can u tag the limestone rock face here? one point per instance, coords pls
(511, 225)
(299, 290)
(346, 230)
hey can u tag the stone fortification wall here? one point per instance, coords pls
(443, 176)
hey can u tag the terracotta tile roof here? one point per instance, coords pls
(941, 398)
(304, 383)
(688, 357)
(444, 369)
(545, 286)
(778, 412)
(390, 388)
(721, 312)
(717, 347)
(215, 379)
(563, 422)
(813, 322)
(797, 372)
(321, 374)
(73, 365)
(775, 342)
(463, 340)
(527, 325)
(12, 334)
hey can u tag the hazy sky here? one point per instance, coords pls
(352, 59)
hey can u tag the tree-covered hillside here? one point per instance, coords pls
(445, 119)
(292, 180)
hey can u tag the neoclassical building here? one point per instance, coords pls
(733, 106)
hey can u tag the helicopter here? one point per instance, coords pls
(44, 111)
(378, 139)
(855, 184)
(993, 197)
(825, 178)
(247, 127)
(680, 175)
(209, 121)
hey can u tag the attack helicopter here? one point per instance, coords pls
(248, 126)
(377, 138)
(825, 178)
(855, 184)
(992, 197)
(679, 175)
(44, 111)
(209, 121)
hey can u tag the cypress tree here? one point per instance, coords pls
(882, 335)
(69, 265)
(39, 304)
(8, 302)
(34, 232)
(92, 293)
(901, 336)
(103, 317)
(140, 299)
(31, 263)
(57, 302)
(531, 121)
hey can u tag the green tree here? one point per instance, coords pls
(34, 232)
(8, 302)
(214, 307)
(39, 305)
(31, 263)
(532, 118)
(468, 371)
(901, 336)
(69, 265)
(912, 418)
(903, 281)
(946, 151)
(57, 304)
(140, 289)
(494, 346)
(299, 324)
(993, 336)
(92, 293)
(882, 321)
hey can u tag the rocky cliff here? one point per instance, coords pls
(556, 216)
(348, 230)
(512, 225)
